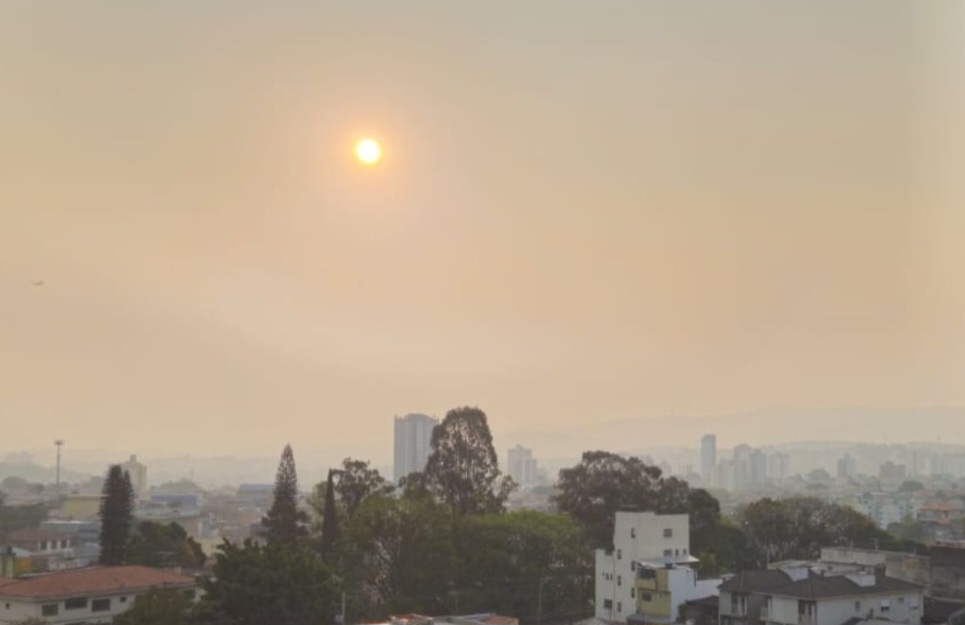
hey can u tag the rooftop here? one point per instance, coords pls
(88, 581)
(820, 586)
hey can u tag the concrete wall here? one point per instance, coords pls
(905, 607)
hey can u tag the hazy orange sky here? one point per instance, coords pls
(586, 211)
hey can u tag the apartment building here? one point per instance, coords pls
(647, 574)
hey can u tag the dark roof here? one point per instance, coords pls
(755, 581)
(709, 602)
(818, 586)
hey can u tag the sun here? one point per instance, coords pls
(368, 151)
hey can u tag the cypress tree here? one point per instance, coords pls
(116, 515)
(329, 520)
(285, 523)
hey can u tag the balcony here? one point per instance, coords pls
(807, 619)
(738, 609)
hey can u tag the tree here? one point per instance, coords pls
(158, 545)
(797, 528)
(398, 556)
(357, 481)
(462, 470)
(601, 484)
(276, 583)
(158, 607)
(116, 516)
(329, 521)
(285, 523)
(506, 561)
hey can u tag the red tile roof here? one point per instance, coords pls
(90, 581)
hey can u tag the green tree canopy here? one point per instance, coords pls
(797, 528)
(357, 481)
(285, 523)
(399, 556)
(159, 607)
(462, 470)
(159, 545)
(329, 521)
(116, 516)
(504, 559)
(602, 483)
(278, 584)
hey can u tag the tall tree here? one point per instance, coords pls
(116, 516)
(592, 491)
(357, 481)
(463, 470)
(285, 523)
(329, 520)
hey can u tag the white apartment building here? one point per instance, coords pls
(138, 472)
(413, 437)
(89, 595)
(647, 575)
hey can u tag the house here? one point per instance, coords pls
(800, 595)
(52, 551)
(647, 575)
(89, 595)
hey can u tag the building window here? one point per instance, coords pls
(668, 532)
(124, 599)
(76, 604)
(100, 605)
(885, 605)
(646, 596)
(633, 593)
(608, 604)
(633, 565)
(619, 554)
(676, 552)
(857, 606)
(685, 551)
(633, 532)
(667, 553)
(619, 606)
(901, 601)
(50, 609)
(913, 603)
(619, 580)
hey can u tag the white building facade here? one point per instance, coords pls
(647, 574)
(521, 466)
(708, 459)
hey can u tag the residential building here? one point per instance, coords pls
(138, 472)
(52, 551)
(413, 437)
(891, 472)
(708, 458)
(647, 574)
(802, 594)
(89, 595)
(521, 466)
(80, 507)
(847, 467)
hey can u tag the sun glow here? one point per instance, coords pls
(368, 151)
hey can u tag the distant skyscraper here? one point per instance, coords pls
(521, 465)
(138, 473)
(708, 458)
(413, 437)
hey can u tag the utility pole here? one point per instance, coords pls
(539, 600)
(59, 443)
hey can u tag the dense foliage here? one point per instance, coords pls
(116, 516)
(160, 545)
(463, 471)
